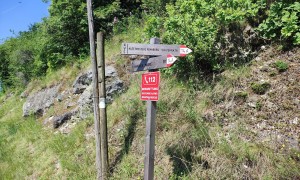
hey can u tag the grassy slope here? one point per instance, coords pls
(187, 147)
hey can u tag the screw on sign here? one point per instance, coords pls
(150, 86)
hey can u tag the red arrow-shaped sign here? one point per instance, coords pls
(184, 50)
(170, 60)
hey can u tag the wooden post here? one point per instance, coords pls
(102, 105)
(95, 87)
(150, 133)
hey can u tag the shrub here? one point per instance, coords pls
(281, 66)
(258, 105)
(241, 96)
(201, 25)
(260, 88)
(282, 22)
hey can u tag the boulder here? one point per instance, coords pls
(85, 79)
(40, 101)
(110, 71)
(113, 85)
(112, 88)
(82, 82)
(85, 102)
(59, 120)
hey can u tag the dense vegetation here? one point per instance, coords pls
(62, 38)
(203, 25)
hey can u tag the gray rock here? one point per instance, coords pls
(112, 88)
(60, 98)
(39, 102)
(83, 85)
(110, 71)
(85, 79)
(59, 120)
(85, 102)
(82, 82)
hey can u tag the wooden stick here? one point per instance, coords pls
(95, 87)
(150, 133)
(102, 104)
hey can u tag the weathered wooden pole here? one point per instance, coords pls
(95, 87)
(102, 105)
(150, 133)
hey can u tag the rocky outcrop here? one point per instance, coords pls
(113, 85)
(39, 102)
(79, 97)
(82, 82)
(59, 120)
(85, 103)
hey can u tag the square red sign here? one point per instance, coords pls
(150, 86)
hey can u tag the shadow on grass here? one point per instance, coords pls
(182, 161)
(183, 153)
(127, 142)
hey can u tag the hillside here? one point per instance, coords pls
(228, 110)
(222, 130)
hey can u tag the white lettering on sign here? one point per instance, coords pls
(150, 86)
(154, 49)
(170, 60)
(184, 50)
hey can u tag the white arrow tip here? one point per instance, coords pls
(170, 59)
(184, 50)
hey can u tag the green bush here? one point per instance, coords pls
(200, 25)
(260, 88)
(283, 22)
(281, 66)
(241, 96)
(155, 7)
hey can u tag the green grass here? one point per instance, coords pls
(260, 88)
(30, 150)
(281, 66)
(186, 146)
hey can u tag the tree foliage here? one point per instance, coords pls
(200, 24)
(283, 22)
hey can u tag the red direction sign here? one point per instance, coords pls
(184, 50)
(150, 86)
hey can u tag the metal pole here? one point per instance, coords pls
(102, 105)
(150, 133)
(95, 87)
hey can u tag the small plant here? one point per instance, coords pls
(260, 88)
(258, 105)
(241, 96)
(281, 66)
(273, 73)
